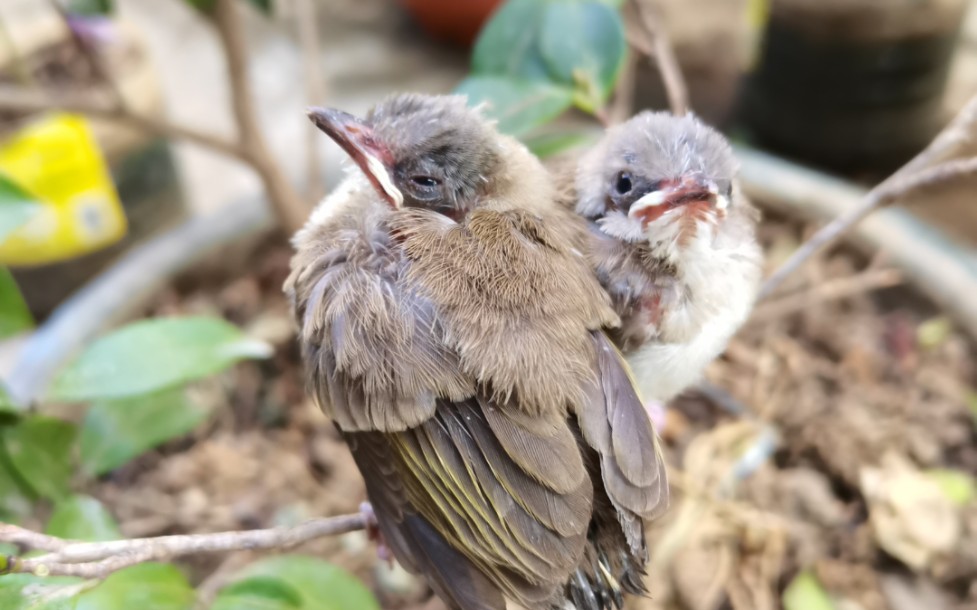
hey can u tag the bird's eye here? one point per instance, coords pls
(425, 181)
(623, 184)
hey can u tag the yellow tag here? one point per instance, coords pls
(57, 161)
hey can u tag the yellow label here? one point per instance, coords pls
(57, 161)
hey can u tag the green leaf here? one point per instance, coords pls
(204, 6)
(15, 496)
(90, 7)
(116, 431)
(806, 593)
(16, 207)
(82, 518)
(958, 486)
(519, 106)
(508, 44)
(39, 451)
(546, 145)
(9, 410)
(29, 592)
(151, 355)
(149, 586)
(258, 593)
(584, 47)
(321, 585)
(15, 317)
(265, 6)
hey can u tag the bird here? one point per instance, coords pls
(672, 239)
(455, 338)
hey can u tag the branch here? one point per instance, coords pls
(910, 178)
(99, 559)
(307, 23)
(660, 50)
(289, 207)
(15, 98)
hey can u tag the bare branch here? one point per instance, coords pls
(910, 178)
(99, 559)
(288, 205)
(307, 24)
(833, 290)
(663, 54)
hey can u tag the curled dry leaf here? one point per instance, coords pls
(912, 518)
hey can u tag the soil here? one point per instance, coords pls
(811, 448)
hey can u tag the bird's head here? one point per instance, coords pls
(658, 178)
(420, 151)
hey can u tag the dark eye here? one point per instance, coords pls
(623, 184)
(425, 181)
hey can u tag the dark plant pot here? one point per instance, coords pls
(828, 92)
(455, 21)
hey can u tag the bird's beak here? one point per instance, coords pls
(361, 144)
(691, 193)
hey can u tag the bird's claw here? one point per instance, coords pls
(374, 533)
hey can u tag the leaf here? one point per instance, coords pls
(958, 486)
(15, 497)
(258, 593)
(518, 106)
(508, 44)
(39, 451)
(806, 593)
(29, 592)
(9, 410)
(204, 6)
(116, 431)
(16, 207)
(15, 317)
(90, 7)
(547, 145)
(584, 47)
(151, 355)
(321, 585)
(265, 6)
(82, 518)
(149, 586)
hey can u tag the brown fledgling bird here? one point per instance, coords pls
(455, 339)
(673, 241)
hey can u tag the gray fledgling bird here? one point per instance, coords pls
(455, 339)
(673, 241)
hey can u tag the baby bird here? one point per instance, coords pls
(673, 241)
(455, 340)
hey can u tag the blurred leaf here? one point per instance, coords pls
(519, 106)
(115, 431)
(15, 317)
(508, 43)
(39, 450)
(151, 355)
(934, 332)
(9, 410)
(15, 497)
(149, 586)
(44, 593)
(90, 7)
(321, 585)
(584, 47)
(204, 6)
(265, 6)
(806, 593)
(82, 518)
(16, 207)
(258, 593)
(550, 144)
(958, 486)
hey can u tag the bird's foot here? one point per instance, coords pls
(656, 413)
(374, 533)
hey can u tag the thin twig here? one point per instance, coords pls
(885, 194)
(289, 207)
(21, 99)
(664, 57)
(911, 177)
(307, 24)
(99, 559)
(832, 290)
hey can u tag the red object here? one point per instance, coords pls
(454, 21)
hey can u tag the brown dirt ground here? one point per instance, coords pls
(806, 451)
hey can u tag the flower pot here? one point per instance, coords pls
(454, 21)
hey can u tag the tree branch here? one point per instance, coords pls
(289, 207)
(99, 559)
(660, 50)
(307, 24)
